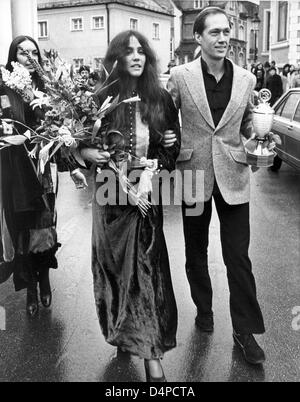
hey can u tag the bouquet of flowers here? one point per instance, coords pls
(18, 80)
(71, 114)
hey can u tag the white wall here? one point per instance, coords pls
(87, 44)
(5, 29)
(24, 17)
(17, 17)
(90, 44)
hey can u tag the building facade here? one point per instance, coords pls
(240, 13)
(279, 37)
(82, 29)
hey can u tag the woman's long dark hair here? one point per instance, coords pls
(284, 72)
(16, 101)
(148, 85)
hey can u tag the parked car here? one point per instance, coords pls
(287, 126)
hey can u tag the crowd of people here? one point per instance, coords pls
(268, 76)
(133, 289)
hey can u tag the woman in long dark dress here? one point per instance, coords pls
(27, 201)
(132, 282)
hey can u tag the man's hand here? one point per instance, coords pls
(271, 141)
(79, 179)
(169, 139)
(94, 155)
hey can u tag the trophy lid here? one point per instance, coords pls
(263, 107)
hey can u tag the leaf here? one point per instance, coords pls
(77, 156)
(36, 141)
(96, 128)
(60, 144)
(44, 156)
(113, 106)
(15, 139)
(27, 134)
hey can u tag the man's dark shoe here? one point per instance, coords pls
(253, 353)
(205, 323)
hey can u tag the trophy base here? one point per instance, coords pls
(260, 160)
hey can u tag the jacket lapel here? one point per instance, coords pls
(195, 84)
(237, 96)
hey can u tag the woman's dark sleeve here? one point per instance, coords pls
(167, 156)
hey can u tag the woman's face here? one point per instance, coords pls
(135, 58)
(22, 58)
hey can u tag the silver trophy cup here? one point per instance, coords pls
(263, 116)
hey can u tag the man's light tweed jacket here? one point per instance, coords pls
(218, 151)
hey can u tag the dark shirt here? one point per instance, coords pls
(274, 84)
(218, 93)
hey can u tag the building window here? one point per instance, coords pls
(77, 24)
(241, 59)
(267, 29)
(282, 20)
(133, 24)
(78, 63)
(98, 22)
(43, 29)
(198, 4)
(155, 31)
(233, 28)
(241, 33)
(231, 5)
(188, 30)
(298, 20)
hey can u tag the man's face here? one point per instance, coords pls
(214, 40)
(84, 74)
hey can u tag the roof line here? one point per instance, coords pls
(67, 4)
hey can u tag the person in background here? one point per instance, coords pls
(84, 72)
(267, 66)
(170, 65)
(295, 82)
(28, 237)
(273, 64)
(274, 84)
(28, 216)
(291, 74)
(284, 77)
(94, 78)
(260, 76)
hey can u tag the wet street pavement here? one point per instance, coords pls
(65, 344)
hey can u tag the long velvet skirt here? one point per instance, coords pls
(132, 282)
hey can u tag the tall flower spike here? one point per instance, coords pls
(37, 67)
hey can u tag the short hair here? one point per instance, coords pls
(272, 68)
(199, 24)
(84, 68)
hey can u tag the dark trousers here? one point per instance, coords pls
(235, 236)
